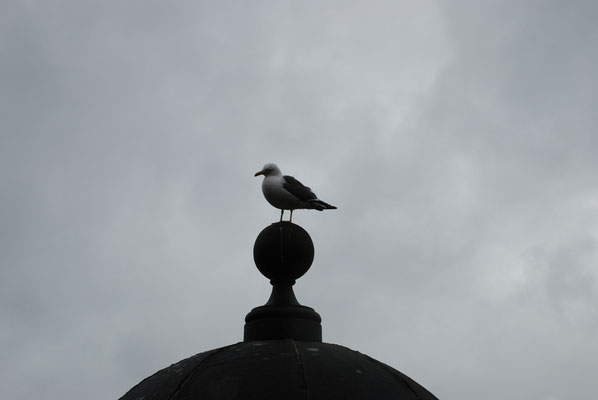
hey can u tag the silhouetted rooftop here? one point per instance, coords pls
(279, 369)
(282, 355)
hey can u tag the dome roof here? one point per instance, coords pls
(279, 369)
(282, 356)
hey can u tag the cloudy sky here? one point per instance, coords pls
(458, 139)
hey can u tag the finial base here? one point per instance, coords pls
(272, 322)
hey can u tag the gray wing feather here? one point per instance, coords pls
(297, 189)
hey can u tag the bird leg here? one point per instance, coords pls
(291, 219)
(281, 212)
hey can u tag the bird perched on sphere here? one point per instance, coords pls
(287, 193)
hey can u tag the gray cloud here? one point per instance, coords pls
(457, 141)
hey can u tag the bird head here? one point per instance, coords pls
(268, 170)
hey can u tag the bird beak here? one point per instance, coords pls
(259, 173)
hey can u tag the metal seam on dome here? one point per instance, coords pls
(302, 368)
(396, 375)
(190, 375)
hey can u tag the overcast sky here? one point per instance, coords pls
(458, 139)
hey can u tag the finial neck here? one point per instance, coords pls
(282, 294)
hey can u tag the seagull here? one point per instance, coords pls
(287, 193)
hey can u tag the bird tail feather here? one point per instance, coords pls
(321, 205)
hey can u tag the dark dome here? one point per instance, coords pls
(278, 369)
(282, 356)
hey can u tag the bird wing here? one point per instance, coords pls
(297, 189)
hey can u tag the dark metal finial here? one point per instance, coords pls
(283, 252)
